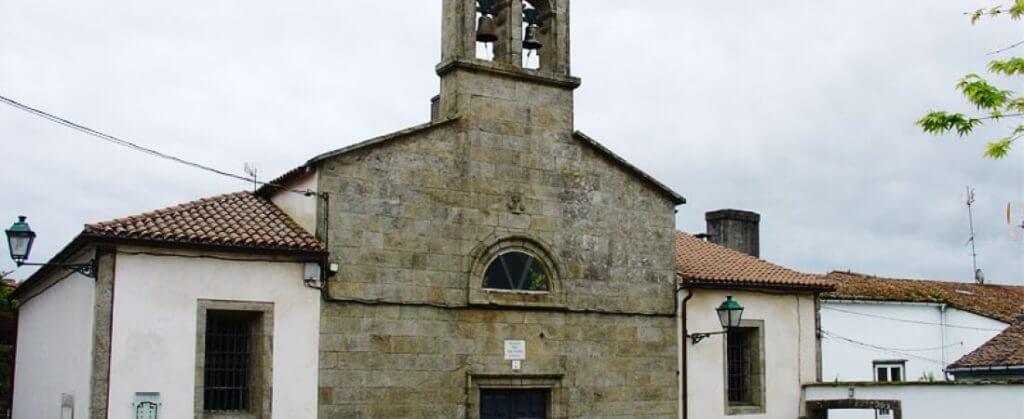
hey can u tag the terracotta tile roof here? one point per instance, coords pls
(704, 262)
(1004, 350)
(234, 220)
(1000, 302)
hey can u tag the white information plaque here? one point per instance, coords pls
(515, 350)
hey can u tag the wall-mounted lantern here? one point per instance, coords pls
(730, 315)
(20, 238)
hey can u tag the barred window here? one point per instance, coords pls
(227, 374)
(745, 384)
(739, 366)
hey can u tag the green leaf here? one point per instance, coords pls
(1009, 67)
(1015, 105)
(999, 149)
(1017, 10)
(981, 93)
(977, 15)
(938, 123)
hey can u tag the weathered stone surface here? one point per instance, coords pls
(412, 222)
(391, 361)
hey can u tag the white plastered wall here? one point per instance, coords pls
(887, 330)
(790, 351)
(154, 332)
(54, 349)
(300, 207)
(934, 401)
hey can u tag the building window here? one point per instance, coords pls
(234, 359)
(744, 354)
(514, 403)
(516, 271)
(229, 336)
(519, 396)
(890, 371)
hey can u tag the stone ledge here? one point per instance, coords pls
(504, 70)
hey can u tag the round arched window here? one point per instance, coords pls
(516, 271)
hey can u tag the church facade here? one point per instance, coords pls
(496, 225)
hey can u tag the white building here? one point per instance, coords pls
(178, 296)
(759, 369)
(906, 331)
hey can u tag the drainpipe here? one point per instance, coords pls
(942, 320)
(685, 408)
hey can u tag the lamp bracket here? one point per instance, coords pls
(87, 269)
(698, 337)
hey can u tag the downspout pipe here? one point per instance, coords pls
(684, 377)
(942, 349)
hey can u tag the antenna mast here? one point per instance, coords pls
(979, 276)
(253, 171)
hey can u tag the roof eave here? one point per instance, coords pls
(305, 168)
(629, 167)
(753, 286)
(86, 239)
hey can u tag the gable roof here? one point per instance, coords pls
(703, 263)
(1004, 350)
(241, 220)
(373, 142)
(999, 302)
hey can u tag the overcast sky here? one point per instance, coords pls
(800, 110)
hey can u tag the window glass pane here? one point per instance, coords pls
(516, 271)
(895, 374)
(883, 374)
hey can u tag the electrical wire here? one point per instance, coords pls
(128, 144)
(984, 329)
(843, 339)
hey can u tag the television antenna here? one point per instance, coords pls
(979, 275)
(253, 172)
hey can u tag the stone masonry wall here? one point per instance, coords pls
(406, 216)
(415, 362)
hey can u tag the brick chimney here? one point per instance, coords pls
(735, 229)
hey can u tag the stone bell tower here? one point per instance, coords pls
(496, 86)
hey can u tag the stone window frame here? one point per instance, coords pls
(261, 386)
(557, 398)
(483, 255)
(760, 406)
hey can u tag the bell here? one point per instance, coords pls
(486, 30)
(530, 41)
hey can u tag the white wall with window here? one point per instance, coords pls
(859, 334)
(162, 306)
(772, 355)
(918, 340)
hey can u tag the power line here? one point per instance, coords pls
(912, 321)
(128, 144)
(847, 340)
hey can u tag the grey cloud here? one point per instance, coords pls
(800, 110)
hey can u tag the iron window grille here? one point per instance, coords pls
(738, 366)
(228, 369)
